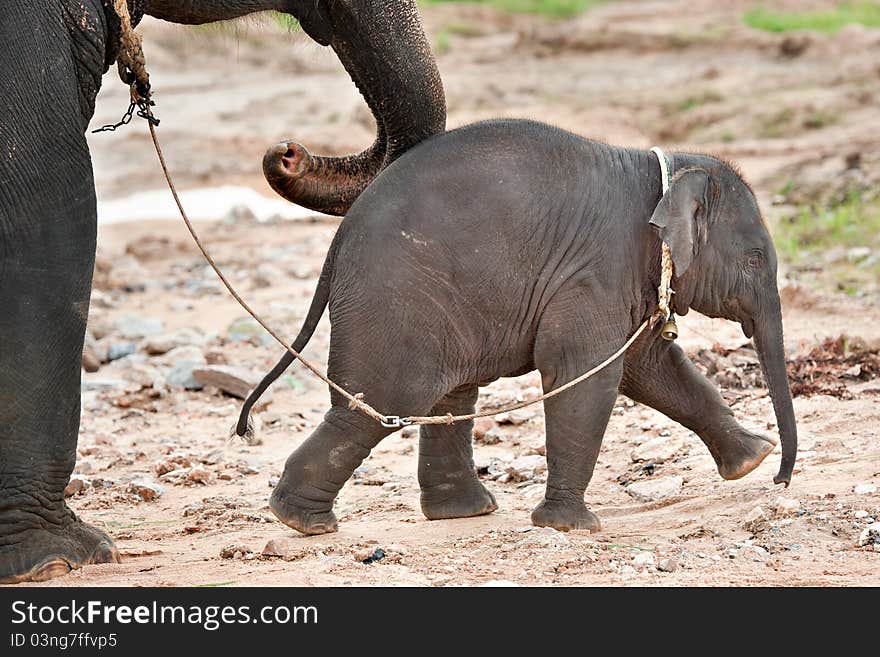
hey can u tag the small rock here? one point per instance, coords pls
(132, 327)
(235, 551)
(643, 559)
(185, 359)
(545, 537)
(162, 344)
(491, 437)
(213, 457)
(377, 555)
(861, 513)
(146, 490)
(656, 450)
(84, 467)
(651, 490)
(865, 489)
(144, 375)
(526, 468)
(76, 486)
(231, 380)
(513, 417)
(267, 275)
(119, 350)
(870, 535)
(858, 253)
(91, 362)
(786, 507)
(667, 565)
(199, 476)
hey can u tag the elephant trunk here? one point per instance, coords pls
(384, 49)
(771, 352)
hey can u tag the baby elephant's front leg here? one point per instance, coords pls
(661, 376)
(576, 421)
(449, 483)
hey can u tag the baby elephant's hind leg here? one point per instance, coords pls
(450, 488)
(317, 470)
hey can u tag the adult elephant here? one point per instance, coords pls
(52, 56)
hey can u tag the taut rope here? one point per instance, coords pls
(133, 72)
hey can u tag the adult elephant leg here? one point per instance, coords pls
(47, 250)
(449, 483)
(659, 374)
(575, 419)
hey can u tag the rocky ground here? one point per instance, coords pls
(169, 353)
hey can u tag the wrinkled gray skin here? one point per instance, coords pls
(52, 56)
(509, 246)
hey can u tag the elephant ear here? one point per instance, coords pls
(676, 215)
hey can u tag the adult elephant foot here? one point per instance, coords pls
(565, 516)
(443, 502)
(49, 551)
(743, 453)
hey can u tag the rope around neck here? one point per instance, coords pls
(135, 64)
(664, 291)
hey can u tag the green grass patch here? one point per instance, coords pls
(285, 21)
(831, 239)
(549, 8)
(443, 42)
(829, 22)
(694, 101)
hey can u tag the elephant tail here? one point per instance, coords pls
(244, 428)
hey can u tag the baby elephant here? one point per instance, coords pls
(509, 246)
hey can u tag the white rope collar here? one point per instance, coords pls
(665, 291)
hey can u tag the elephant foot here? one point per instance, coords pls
(309, 521)
(445, 501)
(744, 454)
(565, 516)
(43, 553)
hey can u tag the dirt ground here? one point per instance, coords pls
(187, 507)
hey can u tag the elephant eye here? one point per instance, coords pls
(754, 260)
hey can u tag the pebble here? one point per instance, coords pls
(526, 468)
(865, 489)
(198, 476)
(491, 437)
(146, 490)
(861, 513)
(786, 507)
(75, 486)
(133, 327)
(102, 385)
(119, 350)
(513, 417)
(643, 559)
(650, 490)
(185, 360)
(656, 450)
(667, 565)
(870, 535)
(231, 380)
(162, 344)
(144, 375)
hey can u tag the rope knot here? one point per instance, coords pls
(356, 401)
